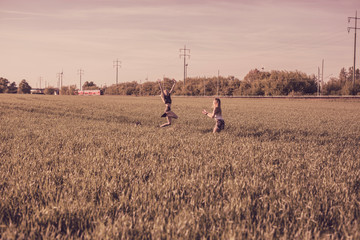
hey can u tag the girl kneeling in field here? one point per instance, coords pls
(220, 123)
(165, 96)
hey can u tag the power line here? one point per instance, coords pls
(184, 53)
(355, 28)
(117, 64)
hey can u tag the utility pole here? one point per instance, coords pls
(318, 82)
(217, 91)
(355, 28)
(59, 76)
(204, 86)
(117, 64)
(184, 53)
(40, 78)
(322, 76)
(58, 80)
(80, 72)
(140, 88)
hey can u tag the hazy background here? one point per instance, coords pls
(41, 38)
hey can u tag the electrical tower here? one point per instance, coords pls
(355, 28)
(59, 76)
(184, 53)
(320, 78)
(80, 72)
(60, 80)
(40, 78)
(217, 88)
(117, 64)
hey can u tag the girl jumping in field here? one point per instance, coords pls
(166, 98)
(220, 123)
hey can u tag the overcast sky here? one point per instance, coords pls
(40, 38)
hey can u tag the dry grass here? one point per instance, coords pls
(80, 167)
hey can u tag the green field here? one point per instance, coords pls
(73, 166)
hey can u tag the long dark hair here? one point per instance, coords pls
(217, 109)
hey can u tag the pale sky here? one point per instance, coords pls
(40, 38)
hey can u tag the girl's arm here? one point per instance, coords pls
(210, 115)
(161, 89)
(172, 88)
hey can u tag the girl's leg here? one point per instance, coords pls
(168, 123)
(219, 125)
(172, 114)
(216, 129)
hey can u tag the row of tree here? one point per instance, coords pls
(7, 87)
(344, 84)
(256, 82)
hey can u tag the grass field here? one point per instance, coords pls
(79, 167)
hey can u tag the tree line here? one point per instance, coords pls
(344, 84)
(7, 87)
(255, 83)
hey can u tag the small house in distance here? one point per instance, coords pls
(37, 90)
(90, 92)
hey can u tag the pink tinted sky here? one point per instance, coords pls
(40, 38)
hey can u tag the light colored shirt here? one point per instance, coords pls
(218, 117)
